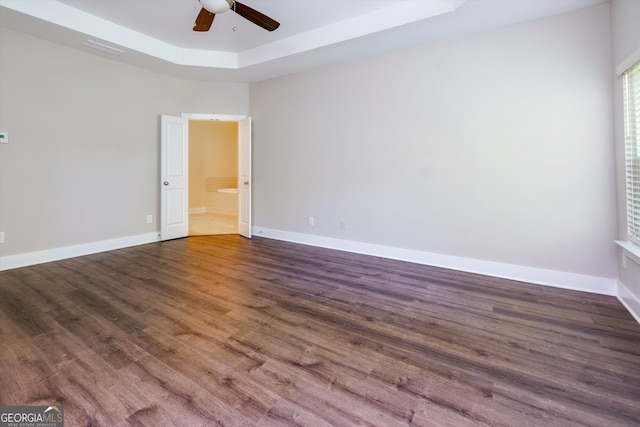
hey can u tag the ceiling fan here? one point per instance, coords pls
(211, 7)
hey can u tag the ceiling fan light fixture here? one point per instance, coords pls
(210, 8)
(216, 6)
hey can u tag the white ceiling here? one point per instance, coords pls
(157, 34)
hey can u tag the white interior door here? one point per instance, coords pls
(174, 178)
(244, 177)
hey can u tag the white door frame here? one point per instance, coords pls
(221, 117)
(228, 118)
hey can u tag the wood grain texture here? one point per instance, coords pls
(224, 331)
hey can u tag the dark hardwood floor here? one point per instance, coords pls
(233, 332)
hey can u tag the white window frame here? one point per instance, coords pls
(629, 71)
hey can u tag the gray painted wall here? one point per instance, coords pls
(496, 146)
(82, 164)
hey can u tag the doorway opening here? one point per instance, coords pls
(174, 174)
(213, 177)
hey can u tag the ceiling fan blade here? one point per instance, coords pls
(254, 16)
(204, 20)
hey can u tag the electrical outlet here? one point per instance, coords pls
(343, 224)
(312, 220)
(624, 260)
(1, 236)
(149, 219)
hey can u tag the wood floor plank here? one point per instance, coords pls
(225, 331)
(174, 396)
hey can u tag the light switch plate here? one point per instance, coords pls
(4, 137)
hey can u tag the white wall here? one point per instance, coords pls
(495, 147)
(82, 162)
(625, 30)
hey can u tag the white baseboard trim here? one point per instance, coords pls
(629, 300)
(32, 258)
(557, 279)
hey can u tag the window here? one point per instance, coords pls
(631, 82)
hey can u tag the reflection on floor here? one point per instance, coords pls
(210, 223)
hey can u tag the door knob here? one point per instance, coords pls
(166, 183)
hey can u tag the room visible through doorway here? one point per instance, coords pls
(213, 177)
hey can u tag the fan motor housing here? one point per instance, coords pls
(217, 6)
